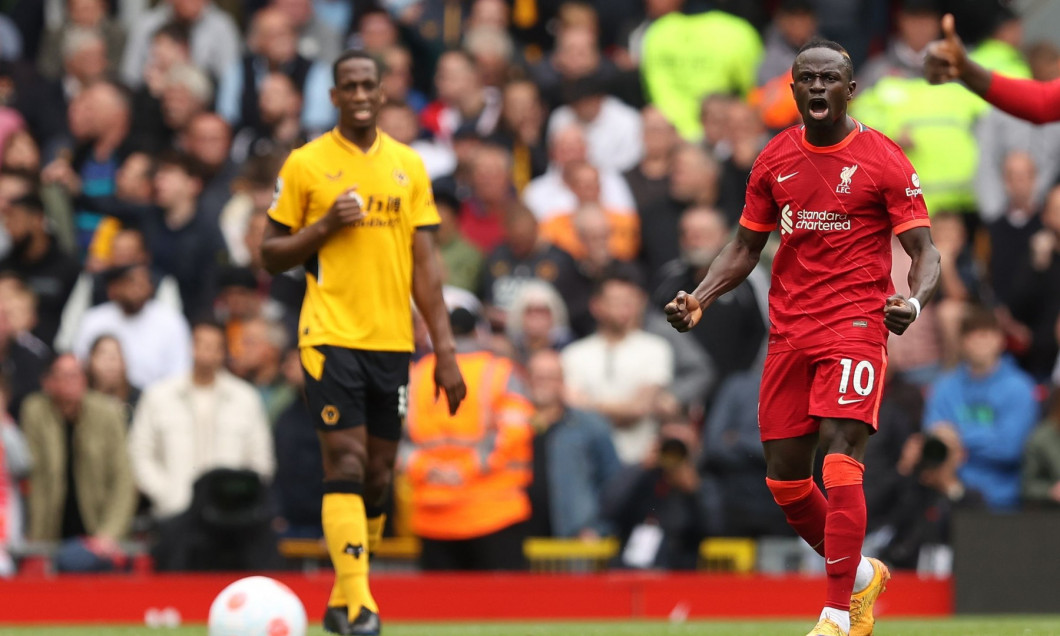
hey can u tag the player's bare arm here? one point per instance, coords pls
(427, 292)
(947, 60)
(898, 312)
(281, 250)
(735, 263)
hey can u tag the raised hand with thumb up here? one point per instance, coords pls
(946, 58)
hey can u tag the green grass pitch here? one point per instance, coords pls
(964, 626)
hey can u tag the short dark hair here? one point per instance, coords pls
(184, 161)
(176, 31)
(818, 43)
(356, 54)
(979, 318)
(619, 272)
(444, 198)
(31, 202)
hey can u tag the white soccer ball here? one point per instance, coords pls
(257, 606)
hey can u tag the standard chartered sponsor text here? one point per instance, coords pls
(822, 220)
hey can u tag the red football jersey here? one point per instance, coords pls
(836, 207)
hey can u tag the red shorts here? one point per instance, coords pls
(842, 380)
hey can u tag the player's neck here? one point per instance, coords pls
(362, 137)
(824, 136)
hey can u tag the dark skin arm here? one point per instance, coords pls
(924, 275)
(729, 269)
(281, 250)
(948, 60)
(427, 292)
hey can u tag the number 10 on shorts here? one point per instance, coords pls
(864, 376)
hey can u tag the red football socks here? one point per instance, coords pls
(844, 527)
(805, 508)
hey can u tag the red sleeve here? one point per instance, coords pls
(902, 194)
(1037, 102)
(759, 208)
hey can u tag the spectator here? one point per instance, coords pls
(397, 82)
(259, 361)
(213, 36)
(81, 15)
(19, 303)
(182, 239)
(610, 372)
(574, 459)
(933, 124)
(736, 332)
(107, 374)
(154, 337)
(299, 482)
(10, 39)
(280, 130)
(960, 282)
(1041, 463)
(23, 359)
(934, 489)
(1001, 135)
(562, 229)
(745, 137)
(492, 50)
(1035, 300)
(99, 122)
(81, 487)
(84, 61)
(317, 39)
(523, 256)
(794, 24)
(612, 129)
(462, 260)
(576, 56)
(468, 471)
(689, 56)
(649, 182)
(207, 140)
(537, 321)
(462, 99)
(988, 405)
(272, 45)
(400, 122)
(252, 194)
(187, 94)
(920, 354)
(36, 257)
(41, 103)
(1011, 233)
(522, 128)
(732, 460)
(192, 423)
(663, 504)
(549, 195)
(170, 48)
(16, 462)
(482, 217)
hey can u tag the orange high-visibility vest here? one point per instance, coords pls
(469, 471)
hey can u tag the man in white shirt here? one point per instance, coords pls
(154, 337)
(548, 195)
(621, 371)
(612, 129)
(215, 38)
(195, 422)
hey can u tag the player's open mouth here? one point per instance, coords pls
(818, 107)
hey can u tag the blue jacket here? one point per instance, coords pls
(994, 416)
(581, 461)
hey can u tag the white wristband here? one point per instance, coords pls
(916, 304)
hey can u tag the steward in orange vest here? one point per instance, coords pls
(469, 472)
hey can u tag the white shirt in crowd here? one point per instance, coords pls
(615, 373)
(215, 42)
(615, 137)
(548, 195)
(181, 431)
(156, 342)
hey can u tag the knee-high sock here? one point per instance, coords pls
(844, 528)
(804, 506)
(346, 533)
(376, 524)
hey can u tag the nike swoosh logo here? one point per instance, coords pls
(843, 400)
(834, 561)
(786, 177)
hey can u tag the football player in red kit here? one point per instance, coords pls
(836, 190)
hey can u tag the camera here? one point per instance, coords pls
(933, 454)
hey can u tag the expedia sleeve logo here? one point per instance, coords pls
(916, 189)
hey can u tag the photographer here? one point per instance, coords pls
(921, 519)
(662, 508)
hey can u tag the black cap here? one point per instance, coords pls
(921, 6)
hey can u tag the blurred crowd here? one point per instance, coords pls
(589, 159)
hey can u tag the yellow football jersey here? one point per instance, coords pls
(360, 282)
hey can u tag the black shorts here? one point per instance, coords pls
(346, 388)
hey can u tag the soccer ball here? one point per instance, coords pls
(257, 606)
